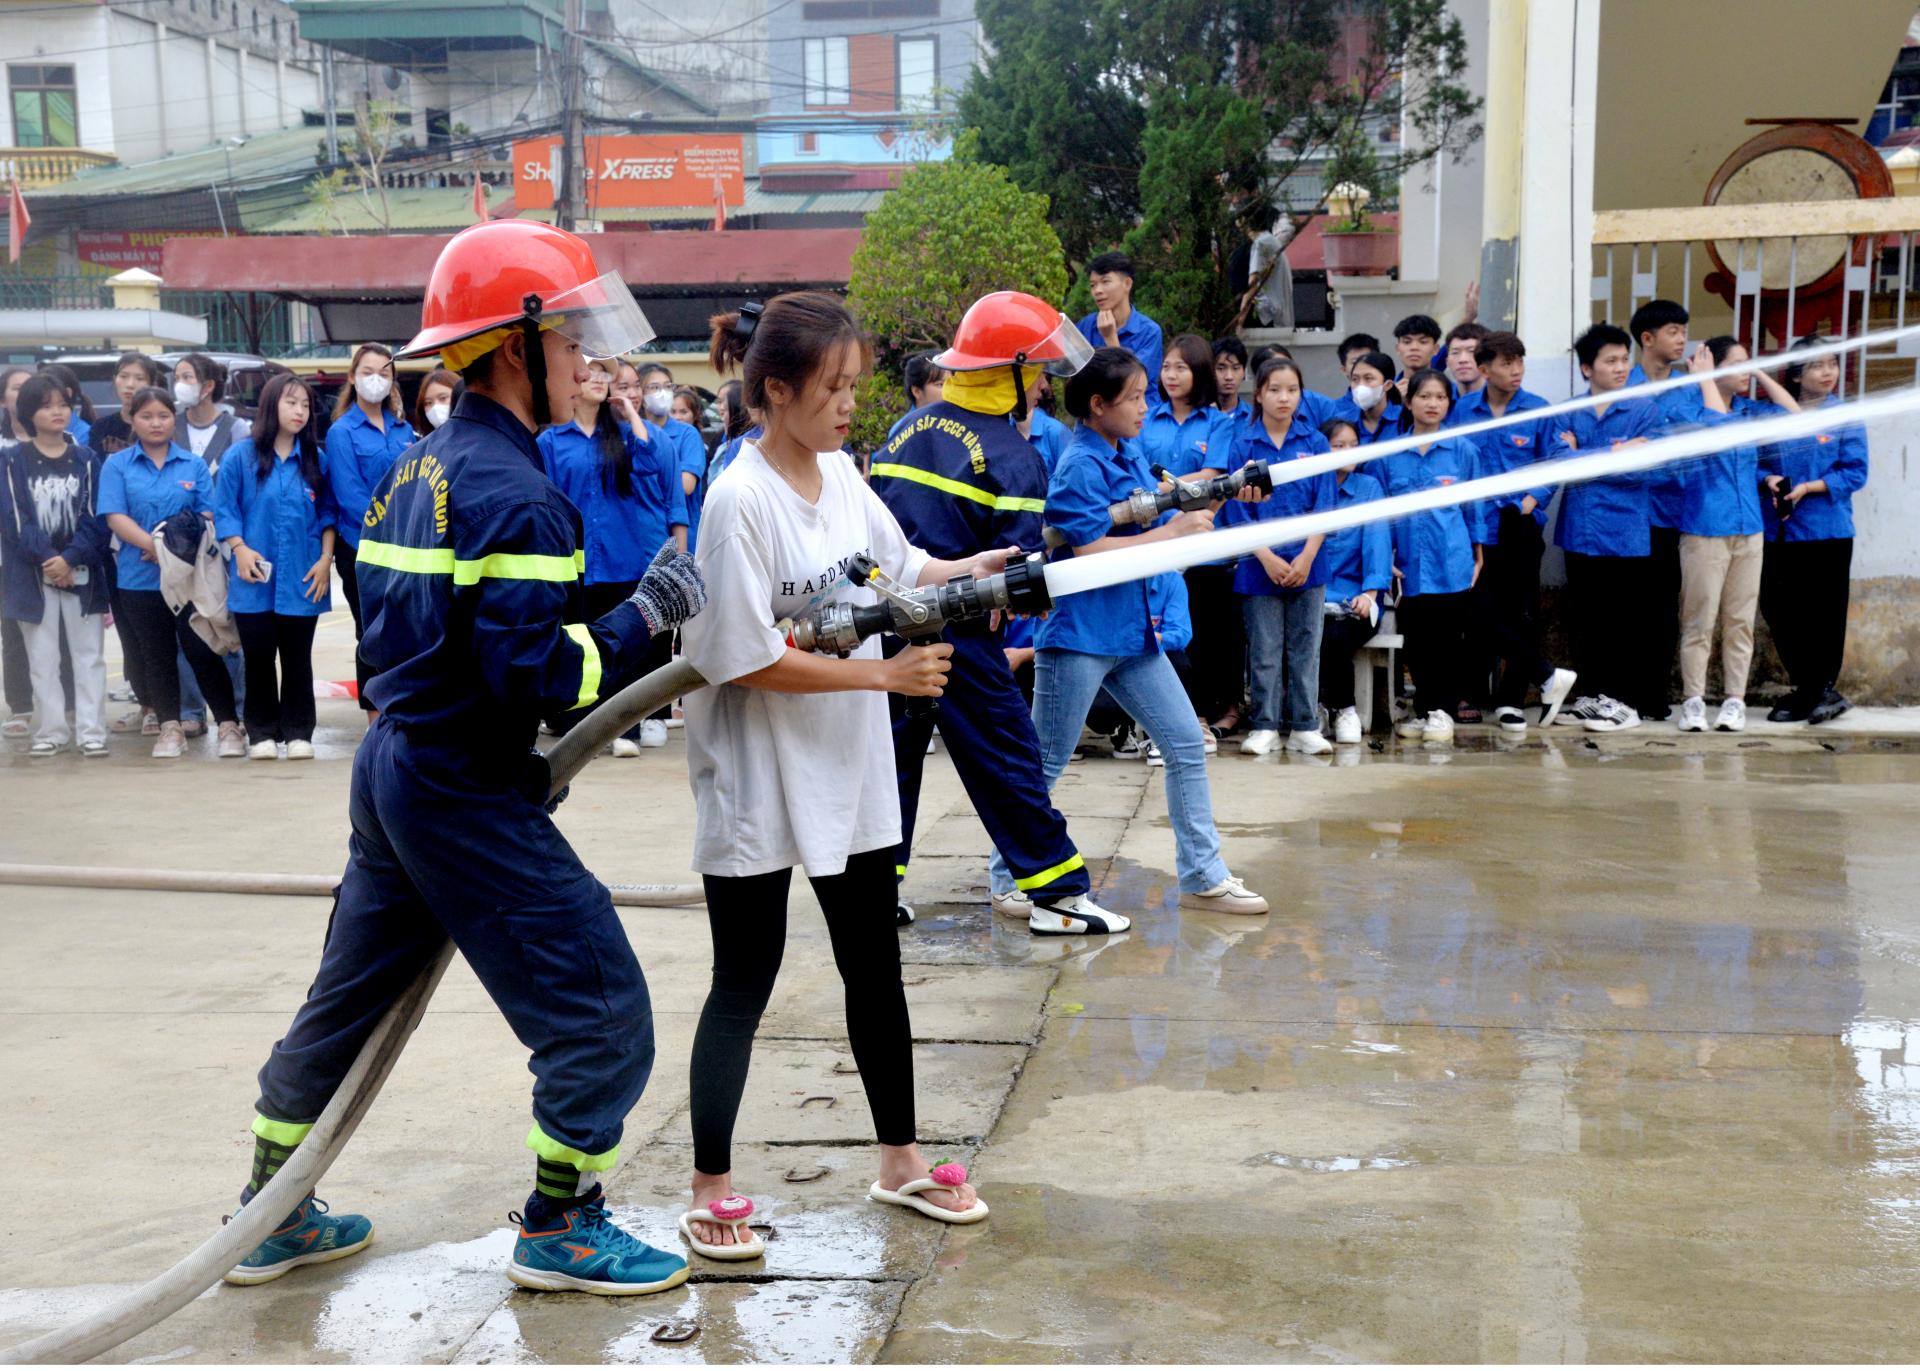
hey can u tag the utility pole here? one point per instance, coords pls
(569, 193)
(326, 82)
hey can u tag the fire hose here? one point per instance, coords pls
(1027, 586)
(1144, 507)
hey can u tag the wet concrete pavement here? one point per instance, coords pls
(1548, 1052)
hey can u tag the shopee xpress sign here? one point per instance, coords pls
(636, 171)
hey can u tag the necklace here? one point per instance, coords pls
(784, 475)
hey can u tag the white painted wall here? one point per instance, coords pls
(77, 36)
(1886, 514)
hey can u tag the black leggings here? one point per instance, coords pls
(748, 915)
(281, 710)
(157, 631)
(1433, 626)
(1219, 647)
(1803, 595)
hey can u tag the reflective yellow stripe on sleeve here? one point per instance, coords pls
(424, 561)
(589, 665)
(1017, 503)
(517, 566)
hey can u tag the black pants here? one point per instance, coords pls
(1218, 651)
(279, 710)
(157, 633)
(1803, 595)
(1663, 643)
(346, 561)
(13, 662)
(1339, 640)
(1435, 628)
(748, 915)
(1504, 641)
(132, 666)
(1619, 647)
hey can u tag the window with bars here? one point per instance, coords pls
(43, 107)
(825, 64)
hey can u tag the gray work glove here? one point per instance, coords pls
(671, 592)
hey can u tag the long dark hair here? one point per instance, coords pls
(70, 382)
(1414, 382)
(439, 376)
(616, 469)
(1106, 376)
(393, 404)
(793, 338)
(1790, 378)
(738, 419)
(1386, 366)
(7, 428)
(1197, 353)
(266, 433)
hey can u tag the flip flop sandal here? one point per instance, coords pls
(947, 1176)
(733, 1212)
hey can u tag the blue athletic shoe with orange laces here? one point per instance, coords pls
(582, 1249)
(310, 1234)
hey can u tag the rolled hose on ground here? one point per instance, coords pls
(165, 1295)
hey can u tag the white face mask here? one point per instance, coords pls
(186, 394)
(439, 414)
(373, 387)
(659, 402)
(1366, 397)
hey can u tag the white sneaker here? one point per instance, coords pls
(1346, 725)
(1127, 745)
(1412, 726)
(1229, 897)
(1211, 743)
(1308, 740)
(1555, 690)
(653, 733)
(1613, 717)
(299, 750)
(1438, 728)
(1014, 904)
(1512, 720)
(1075, 914)
(1260, 742)
(1693, 715)
(1585, 708)
(625, 747)
(1733, 717)
(266, 750)
(1153, 754)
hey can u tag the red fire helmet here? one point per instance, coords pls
(1008, 327)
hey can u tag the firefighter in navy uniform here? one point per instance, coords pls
(960, 479)
(471, 588)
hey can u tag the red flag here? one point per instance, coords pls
(18, 221)
(719, 205)
(479, 199)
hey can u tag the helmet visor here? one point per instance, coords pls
(601, 316)
(1065, 351)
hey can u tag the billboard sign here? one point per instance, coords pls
(117, 251)
(636, 171)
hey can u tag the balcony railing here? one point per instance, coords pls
(38, 168)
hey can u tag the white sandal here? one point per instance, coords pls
(735, 1210)
(947, 1176)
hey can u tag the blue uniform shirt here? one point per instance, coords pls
(130, 484)
(1293, 498)
(1316, 408)
(1358, 558)
(1607, 517)
(470, 586)
(1049, 438)
(1116, 621)
(79, 428)
(1184, 447)
(1389, 426)
(690, 451)
(358, 458)
(1680, 409)
(1838, 457)
(281, 518)
(1140, 336)
(1720, 491)
(1172, 619)
(623, 532)
(1507, 449)
(1433, 549)
(961, 483)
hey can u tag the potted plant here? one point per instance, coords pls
(1354, 244)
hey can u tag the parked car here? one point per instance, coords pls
(246, 375)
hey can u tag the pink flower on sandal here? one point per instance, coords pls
(732, 1209)
(950, 1174)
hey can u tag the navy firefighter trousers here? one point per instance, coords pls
(987, 727)
(449, 843)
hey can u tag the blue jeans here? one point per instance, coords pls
(1064, 685)
(1283, 645)
(193, 705)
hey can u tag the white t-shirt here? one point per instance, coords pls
(198, 437)
(785, 780)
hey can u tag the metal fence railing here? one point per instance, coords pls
(227, 314)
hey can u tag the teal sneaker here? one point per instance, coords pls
(582, 1249)
(309, 1235)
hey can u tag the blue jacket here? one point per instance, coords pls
(961, 482)
(1140, 336)
(1720, 491)
(1049, 438)
(1607, 517)
(1358, 558)
(1680, 409)
(1116, 621)
(1506, 449)
(1167, 598)
(471, 593)
(1184, 447)
(690, 451)
(359, 456)
(1316, 408)
(1433, 549)
(130, 484)
(1293, 498)
(81, 431)
(1345, 408)
(25, 544)
(725, 452)
(1838, 457)
(622, 532)
(281, 518)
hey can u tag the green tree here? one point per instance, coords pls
(952, 232)
(1181, 128)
